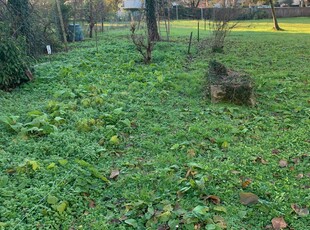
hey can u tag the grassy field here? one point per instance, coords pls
(101, 141)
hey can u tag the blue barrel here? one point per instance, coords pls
(78, 32)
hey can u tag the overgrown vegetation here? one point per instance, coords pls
(14, 63)
(140, 147)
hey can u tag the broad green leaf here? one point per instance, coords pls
(34, 165)
(175, 146)
(35, 113)
(62, 207)
(52, 199)
(220, 209)
(200, 210)
(225, 145)
(165, 216)
(51, 165)
(114, 140)
(132, 222)
(63, 162)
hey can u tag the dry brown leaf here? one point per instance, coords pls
(91, 204)
(246, 182)
(191, 153)
(300, 175)
(220, 221)
(278, 223)
(248, 198)
(260, 160)
(214, 199)
(300, 211)
(114, 174)
(275, 151)
(283, 163)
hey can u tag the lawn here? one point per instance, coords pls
(101, 141)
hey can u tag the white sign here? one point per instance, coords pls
(49, 49)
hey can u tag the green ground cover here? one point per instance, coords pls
(101, 141)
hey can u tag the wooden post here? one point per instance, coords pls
(198, 31)
(190, 43)
(62, 25)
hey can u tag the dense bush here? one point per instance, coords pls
(13, 64)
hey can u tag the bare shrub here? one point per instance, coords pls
(143, 44)
(220, 26)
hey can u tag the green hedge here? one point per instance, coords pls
(13, 64)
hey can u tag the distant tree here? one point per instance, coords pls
(273, 12)
(152, 29)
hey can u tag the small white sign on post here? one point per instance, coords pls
(49, 49)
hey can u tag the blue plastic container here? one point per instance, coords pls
(78, 32)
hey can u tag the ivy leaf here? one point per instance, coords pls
(114, 140)
(200, 210)
(132, 222)
(52, 199)
(62, 207)
(51, 165)
(63, 162)
(34, 165)
(220, 209)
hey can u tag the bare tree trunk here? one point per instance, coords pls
(273, 12)
(150, 7)
(62, 24)
(74, 20)
(91, 19)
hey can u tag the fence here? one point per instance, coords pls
(237, 13)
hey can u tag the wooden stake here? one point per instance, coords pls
(190, 43)
(198, 31)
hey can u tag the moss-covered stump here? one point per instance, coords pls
(229, 86)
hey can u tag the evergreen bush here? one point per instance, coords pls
(13, 64)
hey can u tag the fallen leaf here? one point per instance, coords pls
(260, 160)
(220, 222)
(214, 199)
(275, 151)
(278, 223)
(235, 171)
(246, 182)
(296, 160)
(283, 163)
(220, 209)
(300, 211)
(114, 174)
(91, 204)
(300, 175)
(191, 153)
(248, 198)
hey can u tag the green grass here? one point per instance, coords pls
(173, 147)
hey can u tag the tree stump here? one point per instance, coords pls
(229, 86)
